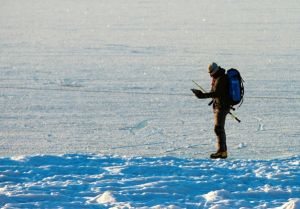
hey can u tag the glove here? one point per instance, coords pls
(198, 93)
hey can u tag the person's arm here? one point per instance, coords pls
(201, 95)
(212, 94)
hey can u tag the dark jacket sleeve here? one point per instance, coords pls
(216, 90)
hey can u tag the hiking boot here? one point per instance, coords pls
(222, 155)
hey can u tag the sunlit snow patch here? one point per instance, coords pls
(89, 181)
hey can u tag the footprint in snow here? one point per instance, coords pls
(261, 126)
(136, 126)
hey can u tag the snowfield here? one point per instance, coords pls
(114, 77)
(94, 181)
(97, 112)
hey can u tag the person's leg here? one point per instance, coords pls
(220, 116)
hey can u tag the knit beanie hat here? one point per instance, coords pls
(213, 68)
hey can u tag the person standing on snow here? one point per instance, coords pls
(221, 106)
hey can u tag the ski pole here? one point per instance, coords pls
(232, 115)
(202, 89)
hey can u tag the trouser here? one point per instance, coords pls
(219, 120)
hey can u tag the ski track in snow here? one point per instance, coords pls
(94, 181)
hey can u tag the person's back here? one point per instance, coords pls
(220, 87)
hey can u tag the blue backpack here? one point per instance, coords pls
(236, 87)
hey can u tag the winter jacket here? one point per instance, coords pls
(219, 93)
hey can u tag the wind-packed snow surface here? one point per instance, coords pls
(93, 181)
(113, 78)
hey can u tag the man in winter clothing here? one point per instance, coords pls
(221, 106)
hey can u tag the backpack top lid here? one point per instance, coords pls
(233, 72)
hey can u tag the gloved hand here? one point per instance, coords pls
(198, 93)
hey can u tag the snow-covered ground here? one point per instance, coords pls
(113, 78)
(93, 181)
